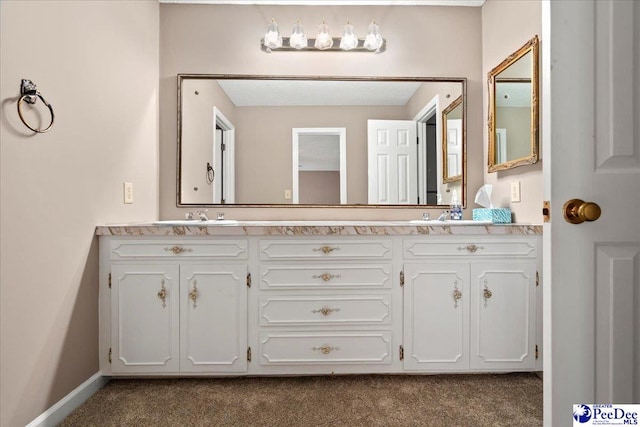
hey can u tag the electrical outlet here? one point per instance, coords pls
(515, 191)
(287, 194)
(128, 192)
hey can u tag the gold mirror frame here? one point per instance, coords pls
(530, 46)
(445, 144)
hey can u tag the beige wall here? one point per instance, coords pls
(506, 26)
(96, 62)
(205, 39)
(319, 187)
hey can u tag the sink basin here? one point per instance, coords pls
(435, 222)
(196, 222)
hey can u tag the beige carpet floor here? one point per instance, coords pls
(358, 400)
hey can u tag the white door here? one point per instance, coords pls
(213, 324)
(591, 149)
(144, 318)
(392, 162)
(436, 316)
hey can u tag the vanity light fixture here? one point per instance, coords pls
(298, 41)
(272, 39)
(323, 39)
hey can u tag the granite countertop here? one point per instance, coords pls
(313, 228)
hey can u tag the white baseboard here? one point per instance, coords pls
(65, 406)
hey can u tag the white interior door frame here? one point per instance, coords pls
(341, 133)
(229, 131)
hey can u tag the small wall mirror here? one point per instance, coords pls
(452, 142)
(513, 109)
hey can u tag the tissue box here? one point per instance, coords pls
(495, 215)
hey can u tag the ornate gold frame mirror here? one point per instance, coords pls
(452, 153)
(513, 110)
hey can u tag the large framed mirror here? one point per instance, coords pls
(513, 110)
(287, 141)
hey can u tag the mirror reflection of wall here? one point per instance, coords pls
(264, 110)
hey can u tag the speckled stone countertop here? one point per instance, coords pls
(313, 228)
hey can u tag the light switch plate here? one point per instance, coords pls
(287, 194)
(128, 192)
(515, 191)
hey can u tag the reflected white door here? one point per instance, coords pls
(592, 279)
(392, 162)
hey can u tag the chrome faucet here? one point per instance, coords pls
(426, 216)
(220, 216)
(189, 215)
(443, 216)
(202, 215)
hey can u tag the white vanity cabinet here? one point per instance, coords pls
(176, 306)
(262, 300)
(470, 303)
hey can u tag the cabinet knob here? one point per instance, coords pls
(193, 293)
(178, 250)
(470, 248)
(326, 276)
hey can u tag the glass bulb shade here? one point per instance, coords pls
(323, 39)
(298, 39)
(373, 41)
(349, 39)
(273, 39)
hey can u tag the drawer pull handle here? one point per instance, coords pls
(325, 349)
(457, 295)
(162, 294)
(326, 249)
(193, 293)
(487, 293)
(326, 276)
(470, 248)
(325, 310)
(178, 250)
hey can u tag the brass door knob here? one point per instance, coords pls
(577, 211)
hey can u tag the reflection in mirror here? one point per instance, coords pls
(254, 157)
(513, 109)
(452, 142)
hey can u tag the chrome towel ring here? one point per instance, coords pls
(29, 94)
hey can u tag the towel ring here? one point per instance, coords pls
(29, 94)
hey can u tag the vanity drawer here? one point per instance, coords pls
(353, 309)
(367, 276)
(324, 249)
(137, 249)
(294, 348)
(470, 247)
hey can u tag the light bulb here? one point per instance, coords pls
(323, 39)
(373, 41)
(349, 39)
(273, 39)
(298, 39)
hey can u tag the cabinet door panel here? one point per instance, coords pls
(502, 316)
(436, 298)
(213, 332)
(144, 313)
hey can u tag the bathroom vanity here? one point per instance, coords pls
(283, 298)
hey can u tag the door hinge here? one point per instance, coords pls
(401, 279)
(401, 352)
(109, 280)
(223, 147)
(537, 279)
(109, 354)
(546, 211)
(249, 354)
(248, 280)
(537, 352)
